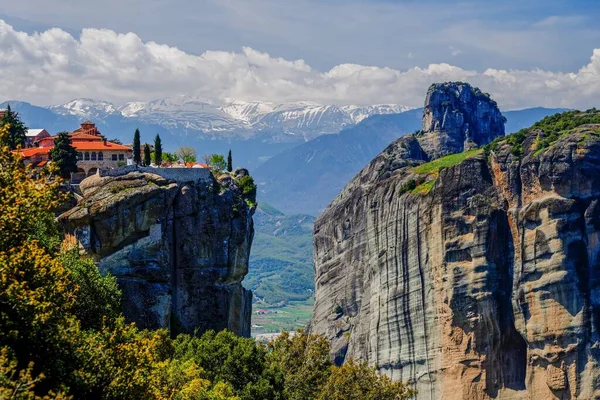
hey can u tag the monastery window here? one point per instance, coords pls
(87, 156)
(121, 157)
(114, 157)
(79, 156)
(100, 156)
(93, 156)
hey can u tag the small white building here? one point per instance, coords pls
(33, 135)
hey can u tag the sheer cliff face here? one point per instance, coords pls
(485, 286)
(178, 247)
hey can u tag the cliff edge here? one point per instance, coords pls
(474, 275)
(178, 245)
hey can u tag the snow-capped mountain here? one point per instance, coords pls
(85, 108)
(186, 113)
(358, 113)
(229, 118)
(247, 111)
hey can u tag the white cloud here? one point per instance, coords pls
(54, 67)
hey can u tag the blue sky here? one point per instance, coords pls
(551, 35)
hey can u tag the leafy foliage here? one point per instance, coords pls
(356, 381)
(229, 162)
(64, 155)
(217, 162)
(186, 154)
(248, 187)
(170, 158)
(98, 296)
(16, 130)
(552, 128)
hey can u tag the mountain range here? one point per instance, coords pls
(255, 131)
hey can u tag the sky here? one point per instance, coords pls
(524, 53)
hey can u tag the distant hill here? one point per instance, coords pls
(306, 178)
(281, 268)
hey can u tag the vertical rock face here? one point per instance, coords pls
(480, 282)
(458, 116)
(179, 247)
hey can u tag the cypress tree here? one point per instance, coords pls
(157, 150)
(137, 155)
(17, 130)
(229, 162)
(147, 159)
(64, 155)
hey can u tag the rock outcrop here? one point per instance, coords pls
(474, 276)
(178, 245)
(458, 117)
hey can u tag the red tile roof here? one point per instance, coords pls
(32, 151)
(85, 136)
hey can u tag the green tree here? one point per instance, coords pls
(170, 157)
(229, 162)
(305, 361)
(217, 161)
(356, 381)
(158, 151)
(64, 155)
(98, 296)
(137, 150)
(17, 131)
(147, 159)
(186, 154)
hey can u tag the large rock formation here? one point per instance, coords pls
(458, 117)
(178, 245)
(477, 280)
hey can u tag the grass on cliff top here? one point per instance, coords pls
(434, 167)
(553, 126)
(425, 187)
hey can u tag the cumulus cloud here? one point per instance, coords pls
(54, 67)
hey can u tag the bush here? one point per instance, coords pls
(98, 297)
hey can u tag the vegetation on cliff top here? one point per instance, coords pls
(553, 127)
(61, 336)
(433, 168)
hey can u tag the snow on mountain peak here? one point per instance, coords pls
(85, 108)
(302, 118)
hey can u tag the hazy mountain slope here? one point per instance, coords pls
(306, 178)
(281, 266)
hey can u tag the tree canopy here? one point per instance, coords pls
(17, 131)
(186, 154)
(64, 155)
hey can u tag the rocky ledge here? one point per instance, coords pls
(472, 276)
(178, 246)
